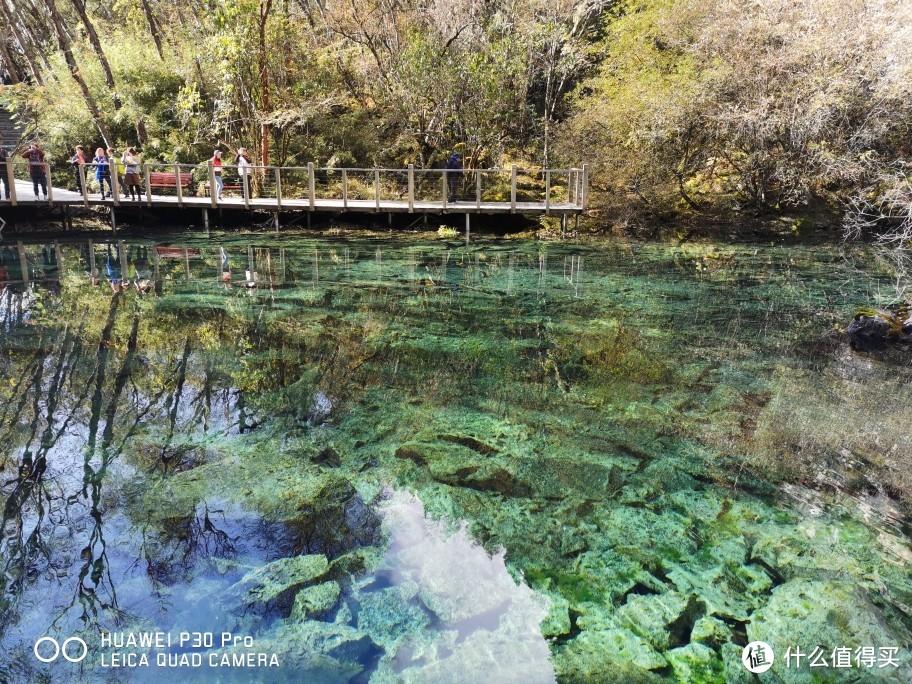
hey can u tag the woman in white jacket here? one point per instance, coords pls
(244, 168)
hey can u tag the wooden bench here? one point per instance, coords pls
(163, 179)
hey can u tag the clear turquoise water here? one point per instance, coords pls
(412, 459)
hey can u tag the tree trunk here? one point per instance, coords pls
(265, 8)
(153, 27)
(79, 5)
(18, 37)
(64, 42)
(8, 64)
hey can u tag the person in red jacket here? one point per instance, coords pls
(37, 168)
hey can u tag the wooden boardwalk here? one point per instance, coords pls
(561, 192)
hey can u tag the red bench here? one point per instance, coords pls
(163, 179)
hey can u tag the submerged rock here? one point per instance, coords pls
(594, 654)
(316, 602)
(695, 664)
(273, 586)
(664, 620)
(827, 614)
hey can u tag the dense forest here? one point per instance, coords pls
(679, 107)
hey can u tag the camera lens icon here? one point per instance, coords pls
(58, 649)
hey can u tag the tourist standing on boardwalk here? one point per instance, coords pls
(102, 172)
(36, 168)
(4, 181)
(78, 161)
(131, 176)
(454, 175)
(243, 163)
(217, 172)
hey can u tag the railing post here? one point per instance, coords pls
(345, 188)
(445, 189)
(50, 188)
(570, 184)
(81, 170)
(376, 189)
(411, 188)
(148, 184)
(115, 182)
(513, 189)
(585, 187)
(548, 192)
(311, 190)
(478, 190)
(177, 181)
(246, 188)
(213, 190)
(278, 172)
(11, 181)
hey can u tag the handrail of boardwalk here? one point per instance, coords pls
(339, 189)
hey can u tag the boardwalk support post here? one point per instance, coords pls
(311, 191)
(563, 226)
(23, 261)
(206, 219)
(468, 226)
(513, 189)
(113, 221)
(275, 217)
(411, 188)
(10, 181)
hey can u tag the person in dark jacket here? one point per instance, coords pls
(37, 168)
(454, 175)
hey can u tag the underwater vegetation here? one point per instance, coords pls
(418, 460)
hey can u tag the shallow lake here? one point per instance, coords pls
(368, 458)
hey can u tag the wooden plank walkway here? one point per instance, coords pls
(470, 200)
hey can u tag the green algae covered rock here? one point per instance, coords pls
(315, 602)
(557, 622)
(275, 585)
(695, 664)
(608, 655)
(710, 631)
(808, 614)
(661, 619)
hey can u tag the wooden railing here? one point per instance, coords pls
(311, 187)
